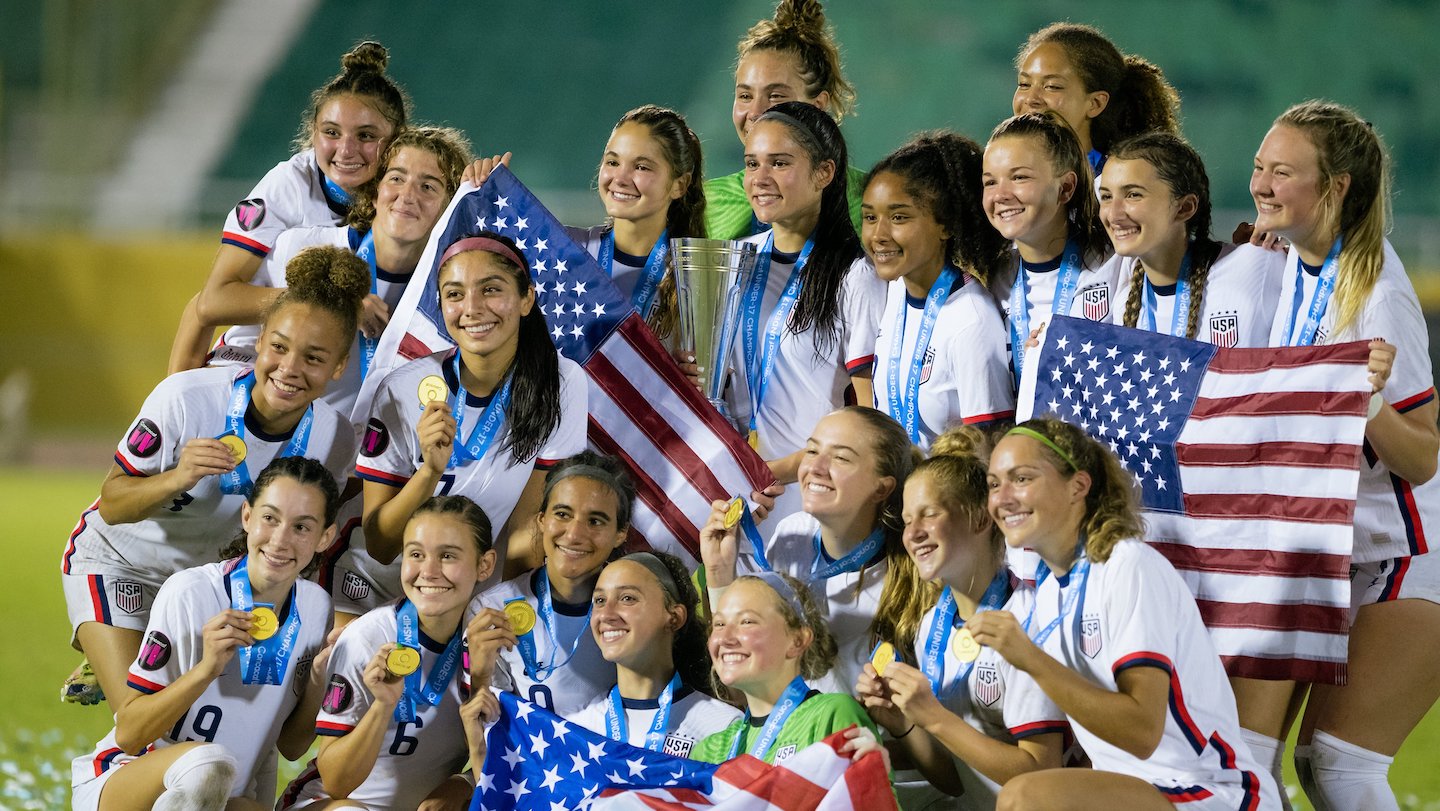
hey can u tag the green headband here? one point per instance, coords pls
(1046, 441)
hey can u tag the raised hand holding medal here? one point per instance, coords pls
(402, 661)
(263, 622)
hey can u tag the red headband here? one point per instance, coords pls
(486, 244)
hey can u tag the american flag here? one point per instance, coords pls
(680, 452)
(1248, 463)
(536, 760)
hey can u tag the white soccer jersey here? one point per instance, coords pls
(237, 344)
(290, 195)
(244, 718)
(578, 679)
(693, 715)
(1094, 292)
(389, 453)
(1135, 611)
(625, 270)
(1392, 515)
(1239, 299)
(965, 376)
(415, 757)
(193, 528)
(998, 700)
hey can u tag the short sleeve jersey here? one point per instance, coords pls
(578, 679)
(817, 717)
(1237, 306)
(415, 757)
(693, 716)
(244, 718)
(804, 384)
(1392, 515)
(192, 529)
(1135, 611)
(625, 270)
(290, 195)
(1094, 291)
(965, 373)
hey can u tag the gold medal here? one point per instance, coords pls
(521, 616)
(236, 445)
(433, 388)
(882, 657)
(754, 440)
(734, 512)
(402, 661)
(263, 623)
(964, 646)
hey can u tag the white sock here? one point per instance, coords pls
(1268, 753)
(1348, 776)
(1305, 770)
(199, 780)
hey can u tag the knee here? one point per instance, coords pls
(1018, 793)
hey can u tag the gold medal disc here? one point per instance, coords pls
(402, 661)
(734, 512)
(964, 646)
(882, 657)
(433, 388)
(521, 616)
(263, 623)
(754, 439)
(236, 446)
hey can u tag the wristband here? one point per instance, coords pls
(1376, 403)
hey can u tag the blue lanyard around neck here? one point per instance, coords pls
(1065, 285)
(407, 633)
(649, 282)
(238, 481)
(760, 357)
(1076, 595)
(366, 251)
(1182, 302)
(905, 407)
(266, 661)
(1319, 300)
(779, 714)
(528, 649)
(336, 193)
(932, 663)
(852, 561)
(488, 427)
(618, 728)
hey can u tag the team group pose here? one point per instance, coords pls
(975, 599)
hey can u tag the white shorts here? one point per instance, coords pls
(305, 790)
(1413, 577)
(1225, 796)
(357, 582)
(120, 598)
(86, 796)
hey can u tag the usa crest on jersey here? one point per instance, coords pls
(354, 587)
(1090, 641)
(129, 596)
(1095, 302)
(678, 745)
(988, 685)
(1225, 330)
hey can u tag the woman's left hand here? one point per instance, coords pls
(860, 741)
(1382, 361)
(1001, 631)
(374, 315)
(910, 691)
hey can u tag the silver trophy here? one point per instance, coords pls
(710, 276)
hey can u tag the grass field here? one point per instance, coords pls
(40, 734)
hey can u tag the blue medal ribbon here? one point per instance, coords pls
(752, 534)
(266, 661)
(779, 714)
(528, 651)
(1065, 286)
(617, 726)
(1324, 288)
(237, 482)
(366, 251)
(905, 407)
(852, 561)
(1076, 595)
(1151, 308)
(335, 193)
(649, 283)
(932, 663)
(407, 633)
(486, 429)
(760, 357)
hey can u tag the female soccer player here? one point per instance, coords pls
(531, 634)
(790, 57)
(961, 706)
(1102, 94)
(1036, 182)
(1172, 276)
(808, 316)
(346, 128)
(644, 616)
(183, 471)
(391, 722)
(233, 663)
(940, 357)
(1321, 180)
(485, 419)
(1113, 638)
(851, 473)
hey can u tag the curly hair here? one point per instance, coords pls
(362, 74)
(328, 278)
(450, 148)
(798, 29)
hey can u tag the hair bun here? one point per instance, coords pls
(368, 56)
(801, 16)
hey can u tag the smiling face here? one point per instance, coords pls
(284, 529)
(1024, 195)
(1140, 212)
(900, 233)
(578, 528)
(1033, 503)
(411, 196)
(1048, 81)
(636, 182)
(837, 474)
(482, 303)
(1286, 185)
(763, 79)
(783, 184)
(440, 565)
(629, 618)
(944, 542)
(754, 650)
(350, 137)
(301, 349)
